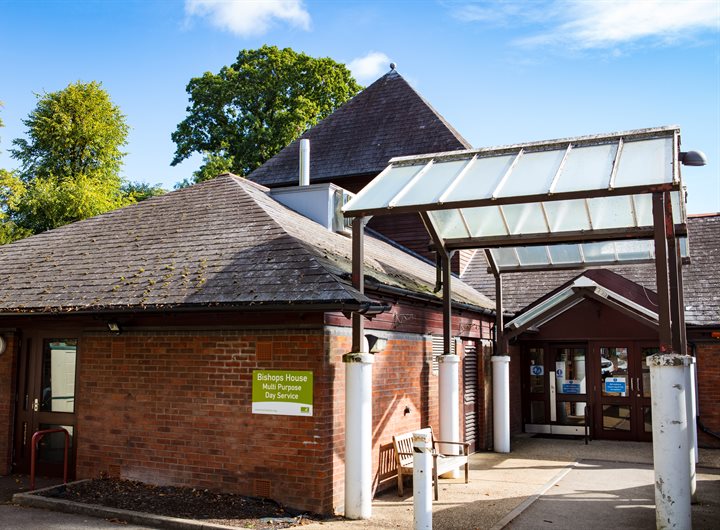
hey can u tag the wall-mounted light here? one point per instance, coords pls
(693, 158)
(3, 345)
(375, 344)
(114, 327)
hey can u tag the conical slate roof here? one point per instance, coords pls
(224, 242)
(387, 119)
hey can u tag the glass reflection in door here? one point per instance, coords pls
(570, 382)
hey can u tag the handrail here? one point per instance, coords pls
(36, 437)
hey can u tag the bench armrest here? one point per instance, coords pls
(465, 445)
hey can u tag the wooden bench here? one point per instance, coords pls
(442, 463)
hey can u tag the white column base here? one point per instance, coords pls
(358, 435)
(449, 407)
(501, 403)
(671, 452)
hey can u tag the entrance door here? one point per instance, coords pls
(623, 395)
(46, 400)
(555, 384)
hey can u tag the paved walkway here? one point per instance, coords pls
(601, 485)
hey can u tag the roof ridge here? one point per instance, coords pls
(700, 215)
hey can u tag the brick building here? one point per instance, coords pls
(139, 330)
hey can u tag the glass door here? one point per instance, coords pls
(555, 389)
(46, 390)
(624, 405)
(570, 390)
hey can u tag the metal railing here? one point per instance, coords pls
(33, 453)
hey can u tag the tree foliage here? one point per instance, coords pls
(11, 188)
(243, 115)
(139, 191)
(71, 159)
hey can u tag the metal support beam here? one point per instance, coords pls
(661, 272)
(358, 279)
(674, 266)
(447, 303)
(358, 399)
(569, 237)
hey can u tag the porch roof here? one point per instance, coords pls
(553, 204)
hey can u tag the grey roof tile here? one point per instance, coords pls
(225, 241)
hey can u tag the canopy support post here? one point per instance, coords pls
(358, 399)
(679, 338)
(448, 363)
(669, 384)
(501, 369)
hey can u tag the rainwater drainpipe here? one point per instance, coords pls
(358, 399)
(304, 162)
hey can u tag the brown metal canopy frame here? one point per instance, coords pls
(664, 231)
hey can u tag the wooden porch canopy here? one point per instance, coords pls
(570, 203)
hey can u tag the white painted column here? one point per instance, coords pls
(358, 435)
(422, 480)
(691, 430)
(501, 403)
(669, 390)
(450, 406)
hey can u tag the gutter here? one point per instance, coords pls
(369, 308)
(399, 291)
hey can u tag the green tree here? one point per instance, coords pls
(139, 191)
(70, 163)
(243, 115)
(11, 188)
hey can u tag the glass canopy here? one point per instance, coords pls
(554, 203)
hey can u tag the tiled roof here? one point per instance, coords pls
(701, 278)
(222, 242)
(389, 118)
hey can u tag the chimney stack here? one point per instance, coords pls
(304, 162)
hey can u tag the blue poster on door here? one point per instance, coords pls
(615, 385)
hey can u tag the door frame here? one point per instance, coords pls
(549, 353)
(593, 395)
(634, 400)
(27, 414)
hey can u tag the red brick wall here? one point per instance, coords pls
(402, 378)
(7, 390)
(708, 370)
(175, 408)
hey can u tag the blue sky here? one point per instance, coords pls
(500, 72)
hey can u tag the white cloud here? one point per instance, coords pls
(583, 24)
(249, 17)
(369, 67)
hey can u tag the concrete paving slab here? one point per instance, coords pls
(563, 481)
(598, 494)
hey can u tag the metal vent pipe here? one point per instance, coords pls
(304, 162)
